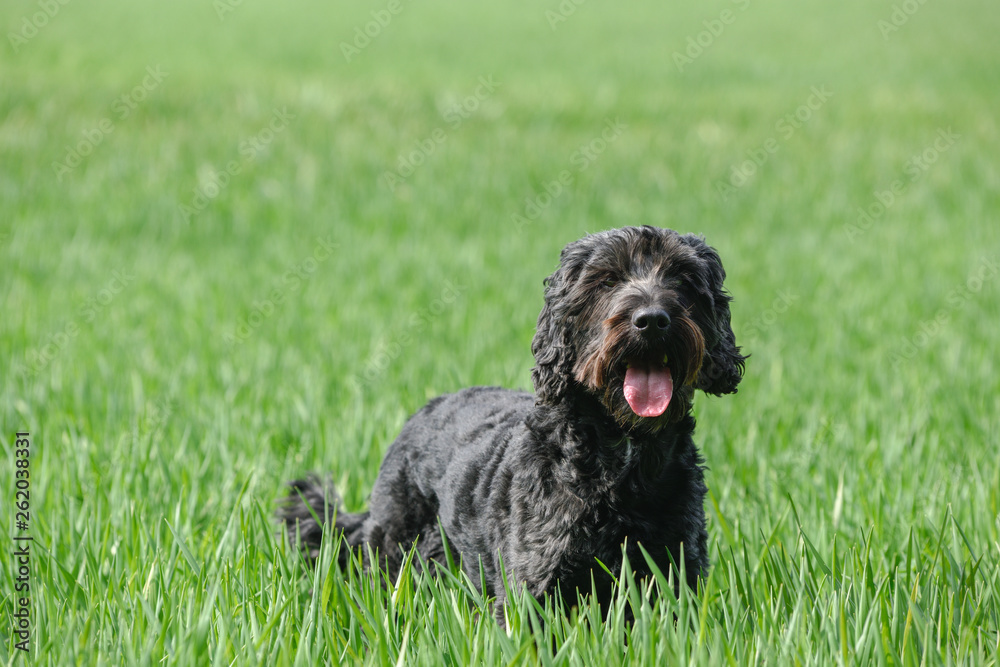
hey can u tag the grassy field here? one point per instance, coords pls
(244, 240)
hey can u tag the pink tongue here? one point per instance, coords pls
(648, 390)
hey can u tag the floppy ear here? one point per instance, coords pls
(722, 366)
(553, 343)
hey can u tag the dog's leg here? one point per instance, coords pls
(401, 515)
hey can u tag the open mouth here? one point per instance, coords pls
(648, 387)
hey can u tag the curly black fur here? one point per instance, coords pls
(542, 486)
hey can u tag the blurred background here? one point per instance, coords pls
(243, 239)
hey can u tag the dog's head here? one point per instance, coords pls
(638, 318)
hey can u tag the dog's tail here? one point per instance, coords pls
(311, 504)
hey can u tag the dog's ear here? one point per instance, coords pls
(722, 367)
(553, 343)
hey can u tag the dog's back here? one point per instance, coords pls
(450, 461)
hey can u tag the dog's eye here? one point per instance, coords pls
(609, 282)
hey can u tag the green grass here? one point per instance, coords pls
(174, 368)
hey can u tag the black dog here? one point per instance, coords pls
(542, 486)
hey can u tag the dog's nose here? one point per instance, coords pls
(651, 321)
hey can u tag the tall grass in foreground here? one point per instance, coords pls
(249, 600)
